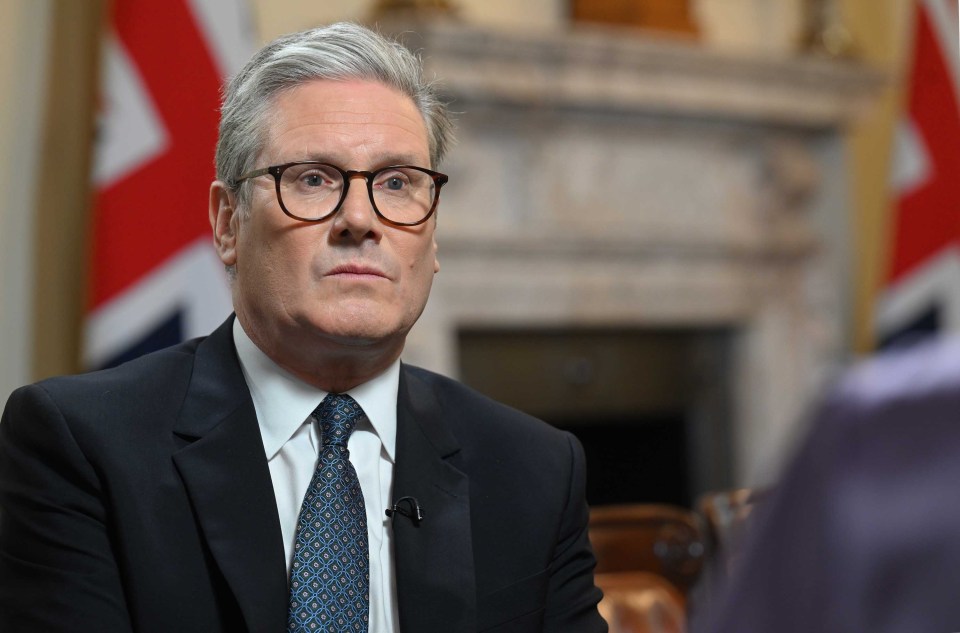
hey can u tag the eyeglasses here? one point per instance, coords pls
(403, 195)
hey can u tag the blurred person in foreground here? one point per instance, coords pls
(862, 534)
(239, 482)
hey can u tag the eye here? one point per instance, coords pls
(396, 183)
(392, 181)
(314, 178)
(310, 179)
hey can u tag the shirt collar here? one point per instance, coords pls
(283, 402)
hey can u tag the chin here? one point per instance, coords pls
(359, 332)
(359, 323)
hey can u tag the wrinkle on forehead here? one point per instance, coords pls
(326, 118)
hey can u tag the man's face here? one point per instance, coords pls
(351, 280)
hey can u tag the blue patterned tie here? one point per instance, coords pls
(330, 572)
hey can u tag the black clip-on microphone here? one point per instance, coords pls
(408, 507)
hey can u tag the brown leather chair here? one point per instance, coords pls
(641, 602)
(648, 558)
(661, 539)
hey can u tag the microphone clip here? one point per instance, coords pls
(408, 507)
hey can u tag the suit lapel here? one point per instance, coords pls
(226, 476)
(436, 588)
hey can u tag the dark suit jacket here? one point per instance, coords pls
(139, 498)
(863, 533)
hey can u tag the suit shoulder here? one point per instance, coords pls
(152, 383)
(148, 373)
(467, 399)
(473, 413)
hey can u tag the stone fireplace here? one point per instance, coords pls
(609, 182)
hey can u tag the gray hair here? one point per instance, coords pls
(340, 51)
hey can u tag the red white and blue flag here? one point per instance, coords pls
(155, 277)
(922, 286)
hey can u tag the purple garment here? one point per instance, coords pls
(863, 533)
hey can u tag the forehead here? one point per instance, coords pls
(345, 121)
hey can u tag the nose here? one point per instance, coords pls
(356, 220)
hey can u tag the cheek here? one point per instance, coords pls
(422, 271)
(266, 261)
(288, 272)
(421, 258)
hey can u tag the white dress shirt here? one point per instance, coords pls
(283, 404)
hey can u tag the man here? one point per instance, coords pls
(861, 533)
(239, 482)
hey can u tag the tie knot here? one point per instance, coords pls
(338, 414)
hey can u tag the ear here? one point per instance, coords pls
(436, 260)
(224, 221)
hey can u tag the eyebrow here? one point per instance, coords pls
(383, 161)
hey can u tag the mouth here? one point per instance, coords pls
(356, 271)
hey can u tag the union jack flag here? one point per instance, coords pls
(922, 291)
(156, 279)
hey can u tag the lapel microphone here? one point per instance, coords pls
(408, 507)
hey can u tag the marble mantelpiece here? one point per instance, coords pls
(607, 179)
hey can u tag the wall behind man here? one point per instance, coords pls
(879, 34)
(24, 26)
(881, 31)
(48, 73)
(276, 17)
(45, 56)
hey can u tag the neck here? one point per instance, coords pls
(339, 375)
(324, 362)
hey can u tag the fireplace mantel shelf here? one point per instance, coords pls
(616, 70)
(610, 179)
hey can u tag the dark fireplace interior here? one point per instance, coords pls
(651, 406)
(635, 459)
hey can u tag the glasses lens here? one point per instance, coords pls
(311, 191)
(403, 194)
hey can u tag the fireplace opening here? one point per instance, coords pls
(650, 406)
(640, 458)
